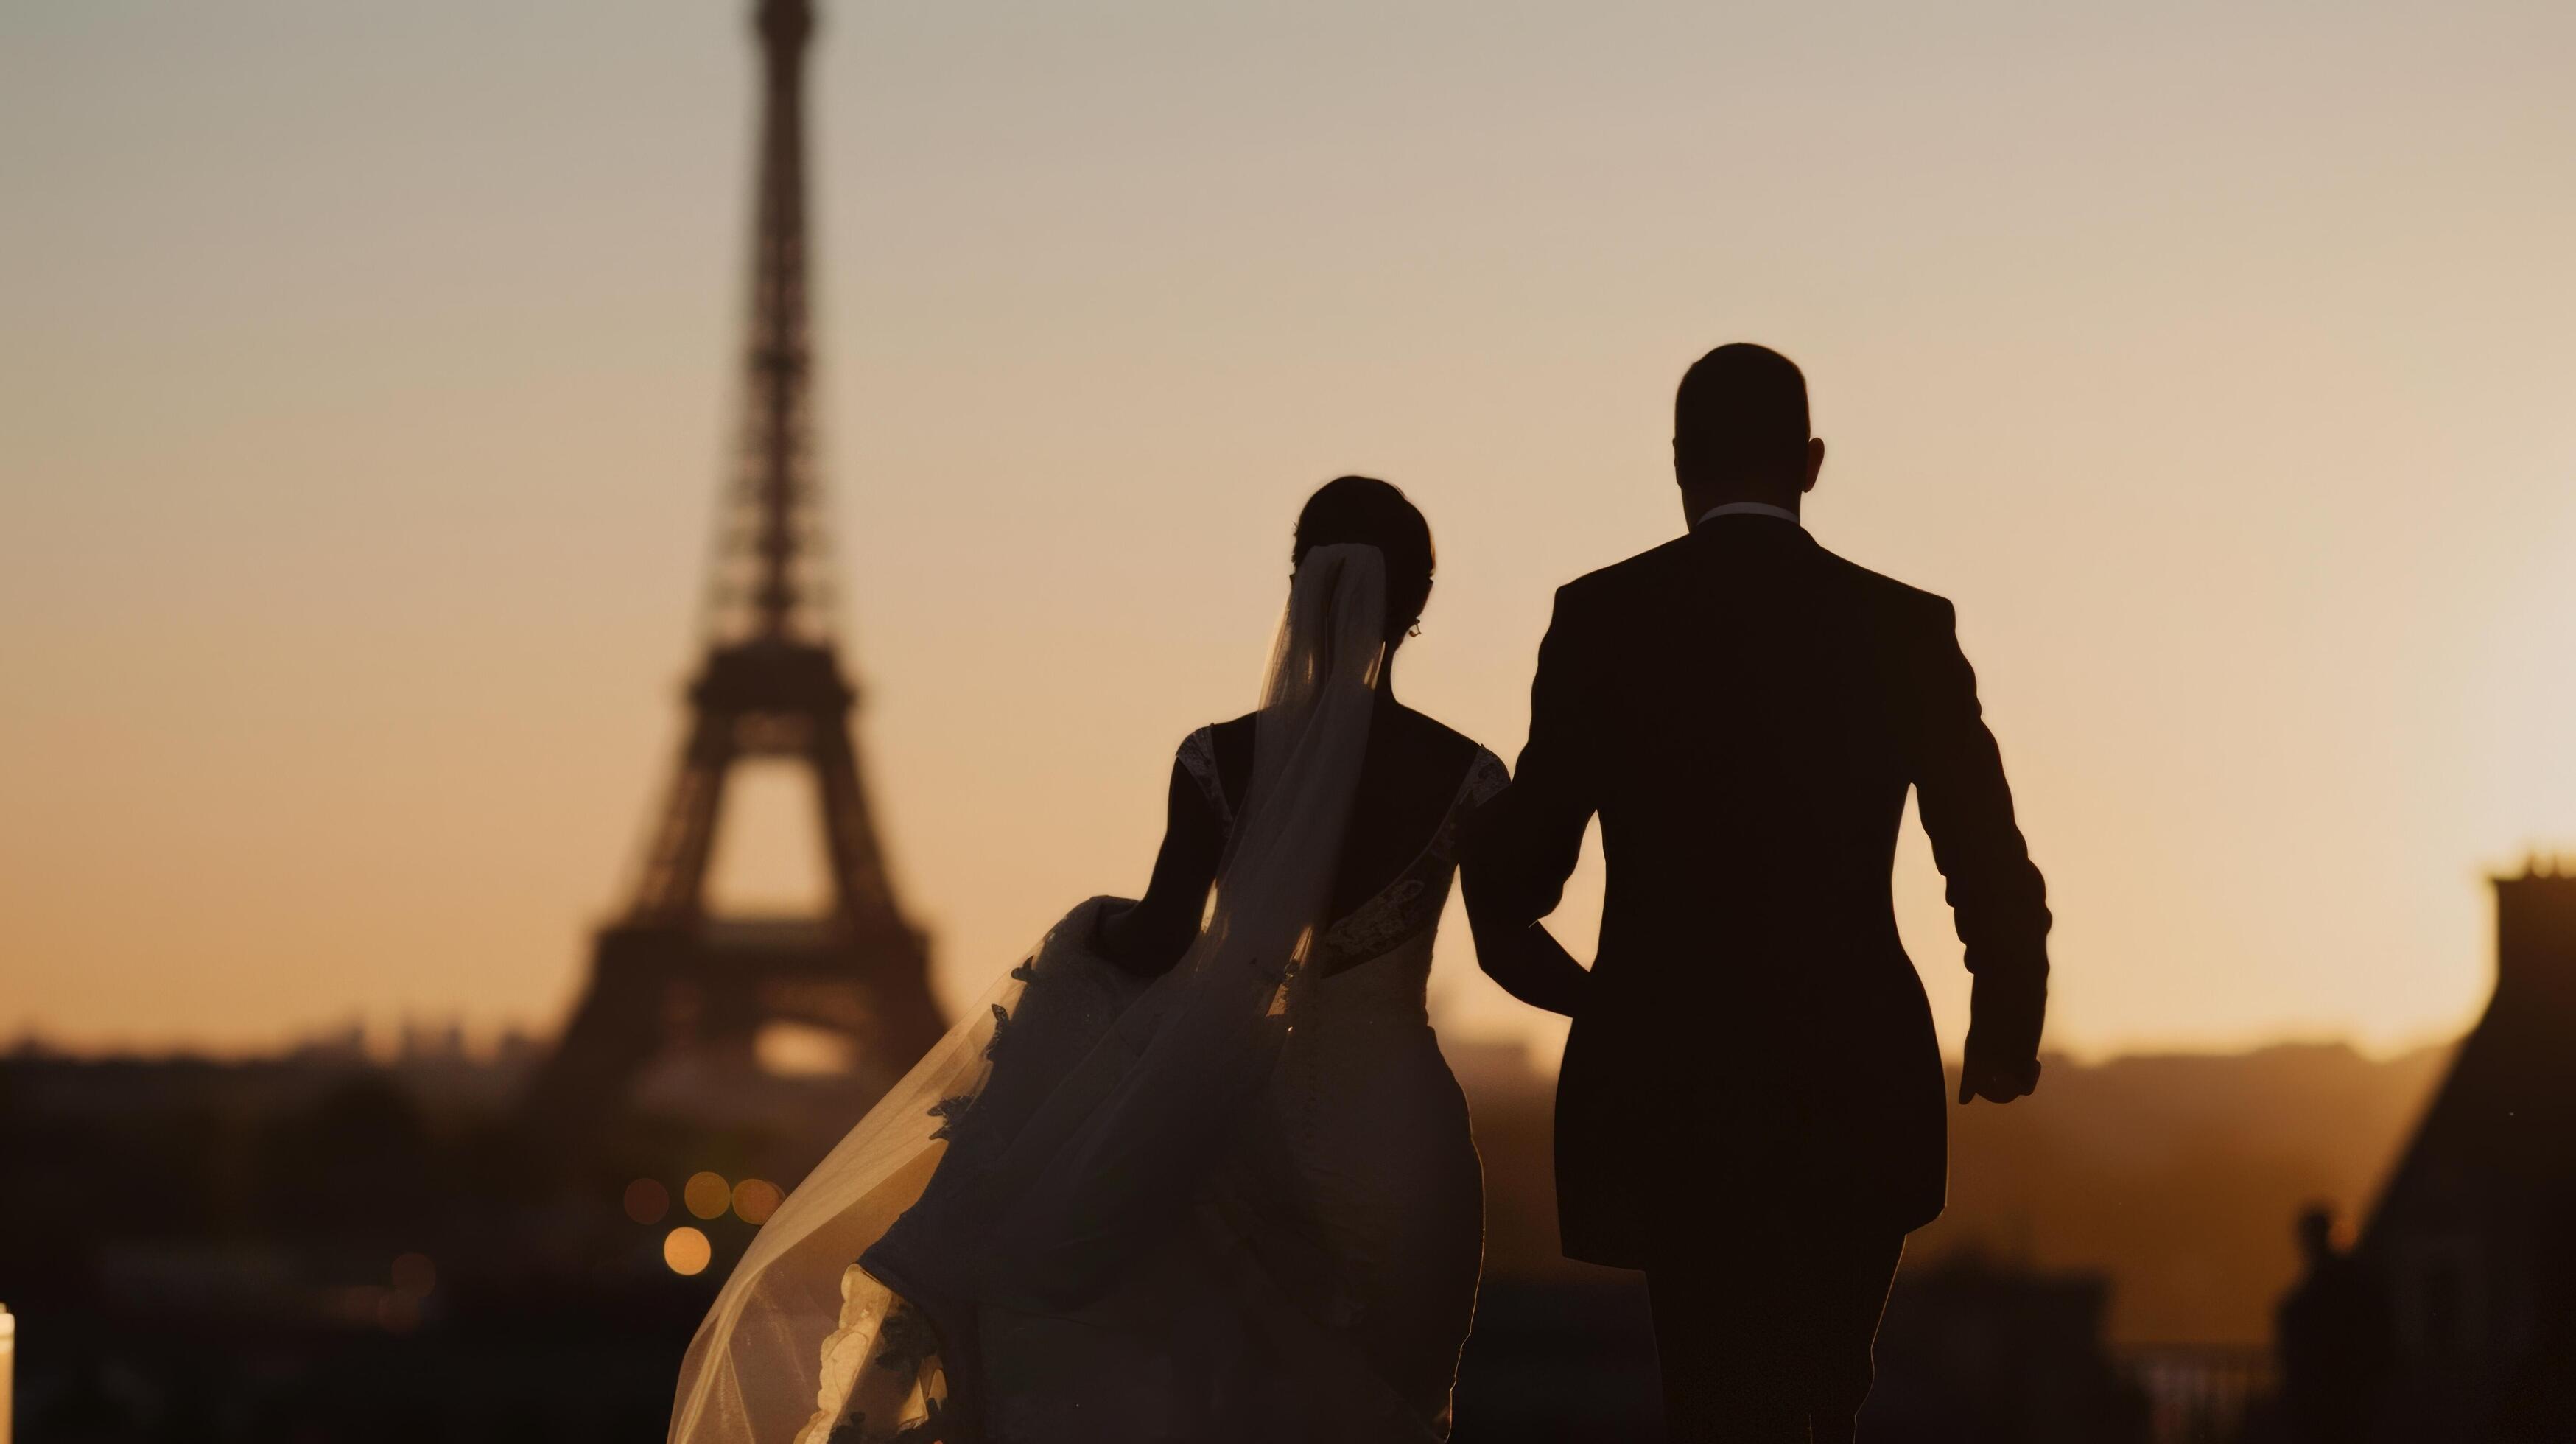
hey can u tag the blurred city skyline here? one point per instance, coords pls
(367, 373)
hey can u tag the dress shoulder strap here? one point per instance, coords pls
(1484, 780)
(1486, 777)
(1197, 757)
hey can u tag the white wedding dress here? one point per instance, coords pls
(1235, 1202)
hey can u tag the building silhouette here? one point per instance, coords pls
(668, 979)
(2454, 1318)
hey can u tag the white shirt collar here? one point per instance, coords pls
(1749, 508)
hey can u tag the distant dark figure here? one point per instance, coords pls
(2334, 1334)
(1750, 1108)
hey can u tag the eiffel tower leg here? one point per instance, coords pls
(907, 1020)
(625, 1012)
(639, 980)
(675, 867)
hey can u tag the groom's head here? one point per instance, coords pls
(1740, 430)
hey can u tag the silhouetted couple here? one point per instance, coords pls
(1196, 1171)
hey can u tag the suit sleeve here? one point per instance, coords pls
(1528, 840)
(1997, 899)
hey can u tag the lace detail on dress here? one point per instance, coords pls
(1486, 776)
(1198, 758)
(1377, 925)
(883, 1380)
(1412, 903)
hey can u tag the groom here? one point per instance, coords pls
(1751, 1105)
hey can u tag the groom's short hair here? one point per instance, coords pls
(1741, 408)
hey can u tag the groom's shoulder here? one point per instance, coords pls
(1648, 570)
(1882, 593)
(1637, 573)
(1656, 577)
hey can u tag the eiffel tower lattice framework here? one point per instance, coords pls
(667, 977)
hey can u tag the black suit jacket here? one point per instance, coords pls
(1745, 711)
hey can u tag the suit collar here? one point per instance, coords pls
(1750, 508)
(1751, 526)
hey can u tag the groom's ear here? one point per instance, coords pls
(1815, 462)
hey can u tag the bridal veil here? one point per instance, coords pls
(1056, 1137)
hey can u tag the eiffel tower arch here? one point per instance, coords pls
(669, 977)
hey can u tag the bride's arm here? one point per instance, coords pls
(1149, 936)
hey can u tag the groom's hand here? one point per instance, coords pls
(1995, 1080)
(2002, 1061)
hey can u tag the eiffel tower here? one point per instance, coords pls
(667, 977)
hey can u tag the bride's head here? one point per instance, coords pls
(1367, 512)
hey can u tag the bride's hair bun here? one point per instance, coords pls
(1369, 512)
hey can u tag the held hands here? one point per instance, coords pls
(1995, 1080)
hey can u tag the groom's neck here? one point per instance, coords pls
(1698, 499)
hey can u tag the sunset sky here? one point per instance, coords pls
(366, 372)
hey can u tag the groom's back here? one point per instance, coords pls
(1750, 702)
(1745, 712)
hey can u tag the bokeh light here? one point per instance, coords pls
(707, 1194)
(686, 1250)
(415, 1275)
(399, 1313)
(647, 1200)
(755, 1199)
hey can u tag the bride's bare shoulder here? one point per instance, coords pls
(1232, 737)
(1429, 745)
(1444, 747)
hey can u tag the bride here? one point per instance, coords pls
(1195, 1171)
